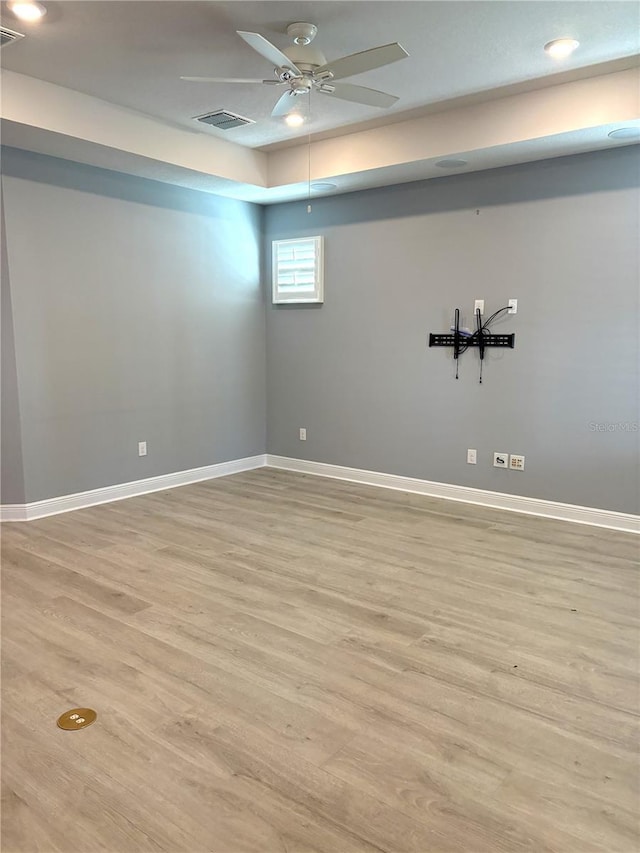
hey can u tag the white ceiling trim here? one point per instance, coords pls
(545, 113)
(562, 119)
(37, 104)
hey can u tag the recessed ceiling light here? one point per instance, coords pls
(323, 186)
(294, 119)
(27, 10)
(451, 164)
(561, 48)
(625, 133)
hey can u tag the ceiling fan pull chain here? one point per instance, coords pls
(309, 153)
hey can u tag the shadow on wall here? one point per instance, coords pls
(563, 176)
(41, 168)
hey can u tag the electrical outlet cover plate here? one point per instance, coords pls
(142, 448)
(77, 718)
(516, 462)
(500, 460)
(303, 434)
(471, 457)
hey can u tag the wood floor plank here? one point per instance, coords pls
(339, 803)
(282, 662)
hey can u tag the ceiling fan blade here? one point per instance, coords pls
(229, 80)
(366, 60)
(284, 104)
(275, 56)
(360, 95)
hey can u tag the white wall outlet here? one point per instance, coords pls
(142, 448)
(479, 303)
(471, 456)
(516, 463)
(513, 306)
(303, 434)
(500, 460)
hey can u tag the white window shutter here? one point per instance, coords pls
(298, 270)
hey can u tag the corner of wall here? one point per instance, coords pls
(12, 489)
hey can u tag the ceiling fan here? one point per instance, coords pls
(303, 69)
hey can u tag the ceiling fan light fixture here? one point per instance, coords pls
(301, 87)
(294, 119)
(561, 48)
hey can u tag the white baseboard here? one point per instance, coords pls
(13, 512)
(496, 500)
(82, 500)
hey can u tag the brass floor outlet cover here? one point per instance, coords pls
(77, 718)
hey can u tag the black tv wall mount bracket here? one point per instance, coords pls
(462, 339)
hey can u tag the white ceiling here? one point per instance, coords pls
(98, 82)
(132, 53)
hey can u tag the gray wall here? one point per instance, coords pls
(137, 315)
(132, 311)
(561, 236)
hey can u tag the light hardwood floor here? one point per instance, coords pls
(285, 664)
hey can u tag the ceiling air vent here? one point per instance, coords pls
(9, 36)
(223, 120)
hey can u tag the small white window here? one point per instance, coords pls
(298, 270)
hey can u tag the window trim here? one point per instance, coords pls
(317, 296)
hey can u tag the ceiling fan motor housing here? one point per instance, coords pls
(304, 57)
